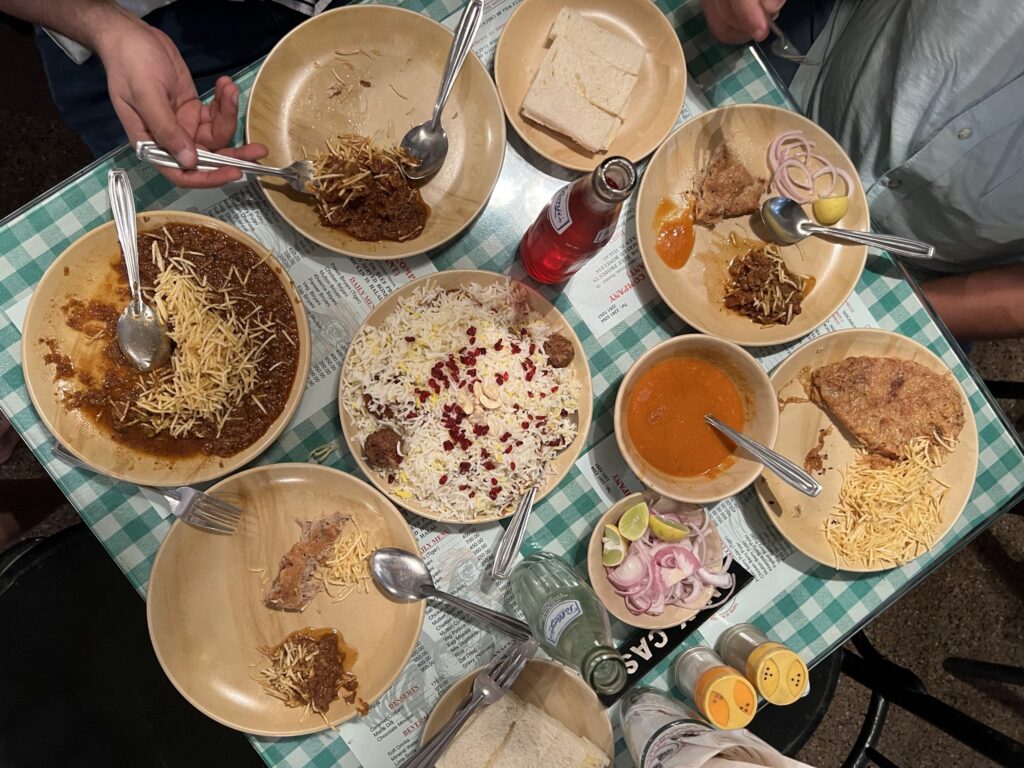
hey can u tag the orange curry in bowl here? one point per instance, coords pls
(665, 416)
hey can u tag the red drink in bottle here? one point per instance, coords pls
(578, 221)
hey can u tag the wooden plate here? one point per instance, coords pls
(206, 613)
(654, 105)
(82, 271)
(760, 419)
(449, 280)
(548, 686)
(674, 615)
(801, 519)
(695, 292)
(292, 112)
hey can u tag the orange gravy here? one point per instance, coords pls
(675, 239)
(665, 416)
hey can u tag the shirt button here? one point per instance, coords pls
(964, 133)
(893, 183)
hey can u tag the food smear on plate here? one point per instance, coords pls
(726, 189)
(675, 234)
(462, 398)
(511, 733)
(803, 175)
(889, 511)
(312, 668)
(584, 82)
(668, 561)
(331, 553)
(665, 416)
(761, 287)
(360, 188)
(235, 348)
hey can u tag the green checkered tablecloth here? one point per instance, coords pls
(818, 612)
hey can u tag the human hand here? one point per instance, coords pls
(739, 21)
(155, 98)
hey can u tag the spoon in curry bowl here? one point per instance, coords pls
(786, 470)
(141, 334)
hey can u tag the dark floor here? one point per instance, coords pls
(972, 607)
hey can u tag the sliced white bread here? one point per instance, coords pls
(617, 51)
(484, 734)
(603, 85)
(529, 742)
(572, 751)
(560, 107)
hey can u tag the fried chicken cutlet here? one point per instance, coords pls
(726, 189)
(885, 402)
(295, 585)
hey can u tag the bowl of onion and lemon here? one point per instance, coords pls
(655, 563)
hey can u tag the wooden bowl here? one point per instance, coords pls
(205, 605)
(761, 418)
(401, 55)
(801, 519)
(654, 105)
(549, 686)
(674, 615)
(453, 279)
(696, 292)
(82, 271)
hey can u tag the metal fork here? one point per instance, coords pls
(299, 174)
(784, 49)
(489, 685)
(198, 509)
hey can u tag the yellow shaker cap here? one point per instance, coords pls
(778, 673)
(725, 698)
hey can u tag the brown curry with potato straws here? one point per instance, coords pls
(235, 355)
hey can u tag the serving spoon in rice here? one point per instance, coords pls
(141, 334)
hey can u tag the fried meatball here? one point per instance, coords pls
(559, 350)
(381, 448)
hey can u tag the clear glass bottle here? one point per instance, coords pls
(775, 671)
(568, 620)
(578, 221)
(655, 726)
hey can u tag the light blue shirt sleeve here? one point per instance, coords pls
(927, 97)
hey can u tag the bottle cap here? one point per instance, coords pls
(725, 698)
(778, 673)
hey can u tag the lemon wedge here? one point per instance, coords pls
(634, 521)
(829, 210)
(666, 530)
(613, 547)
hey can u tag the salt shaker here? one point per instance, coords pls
(776, 672)
(722, 695)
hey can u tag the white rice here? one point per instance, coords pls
(394, 371)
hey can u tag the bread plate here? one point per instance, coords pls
(696, 291)
(553, 688)
(389, 63)
(654, 105)
(801, 519)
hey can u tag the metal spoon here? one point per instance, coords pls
(141, 334)
(790, 224)
(787, 471)
(405, 579)
(299, 174)
(427, 143)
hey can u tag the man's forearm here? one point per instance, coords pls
(987, 304)
(88, 22)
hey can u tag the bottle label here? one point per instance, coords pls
(558, 617)
(605, 234)
(668, 741)
(558, 210)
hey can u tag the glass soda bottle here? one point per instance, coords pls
(656, 726)
(578, 221)
(568, 620)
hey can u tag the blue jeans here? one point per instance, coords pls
(215, 37)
